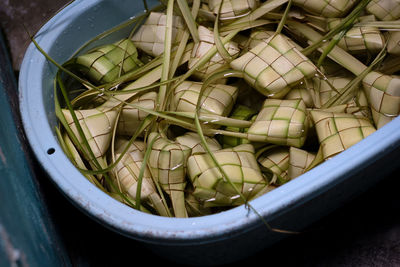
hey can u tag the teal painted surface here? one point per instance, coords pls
(27, 235)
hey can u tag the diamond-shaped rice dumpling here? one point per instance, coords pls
(281, 122)
(339, 131)
(274, 65)
(239, 163)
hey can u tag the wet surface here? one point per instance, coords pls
(365, 232)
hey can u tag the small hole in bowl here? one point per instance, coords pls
(51, 151)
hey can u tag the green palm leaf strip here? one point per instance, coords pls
(345, 23)
(189, 19)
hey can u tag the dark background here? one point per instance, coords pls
(364, 232)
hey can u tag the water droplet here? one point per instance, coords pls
(235, 197)
(176, 167)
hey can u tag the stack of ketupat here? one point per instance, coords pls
(207, 105)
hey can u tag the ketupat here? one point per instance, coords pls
(151, 36)
(213, 189)
(217, 62)
(361, 39)
(217, 98)
(384, 9)
(326, 8)
(231, 9)
(105, 63)
(276, 160)
(339, 131)
(127, 173)
(194, 171)
(299, 161)
(193, 141)
(131, 117)
(168, 163)
(273, 66)
(378, 87)
(281, 122)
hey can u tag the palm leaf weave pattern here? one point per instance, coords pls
(361, 39)
(326, 8)
(231, 9)
(383, 93)
(299, 160)
(242, 169)
(151, 35)
(272, 66)
(281, 122)
(339, 131)
(384, 9)
(277, 161)
(127, 172)
(105, 63)
(97, 128)
(192, 140)
(131, 117)
(167, 164)
(216, 99)
(217, 62)
(393, 46)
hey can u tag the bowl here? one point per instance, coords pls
(214, 239)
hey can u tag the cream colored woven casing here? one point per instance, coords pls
(167, 164)
(384, 9)
(301, 91)
(339, 131)
(262, 36)
(393, 46)
(383, 93)
(106, 63)
(299, 160)
(281, 122)
(361, 39)
(97, 127)
(242, 169)
(127, 172)
(232, 9)
(131, 117)
(128, 168)
(201, 48)
(272, 67)
(151, 35)
(217, 98)
(326, 8)
(277, 161)
(322, 91)
(192, 140)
